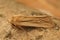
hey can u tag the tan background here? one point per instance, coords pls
(53, 6)
(9, 8)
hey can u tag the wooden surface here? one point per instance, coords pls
(52, 6)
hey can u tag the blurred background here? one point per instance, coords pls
(52, 6)
(9, 8)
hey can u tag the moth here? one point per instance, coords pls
(32, 21)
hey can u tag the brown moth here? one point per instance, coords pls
(32, 21)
